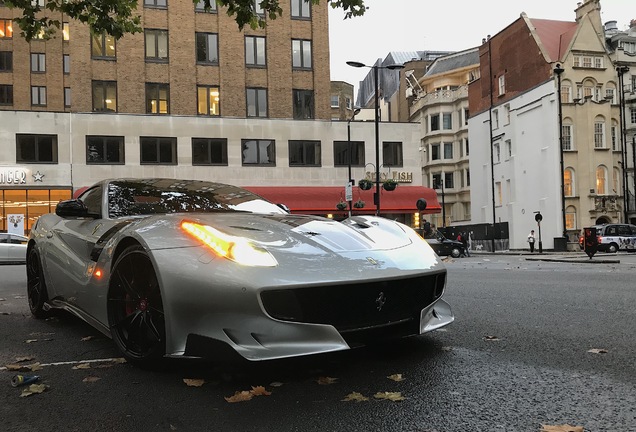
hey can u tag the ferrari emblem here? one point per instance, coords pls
(380, 301)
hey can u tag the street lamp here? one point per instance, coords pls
(376, 196)
(351, 180)
(622, 70)
(440, 185)
(558, 70)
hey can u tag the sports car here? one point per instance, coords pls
(186, 268)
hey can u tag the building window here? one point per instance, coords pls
(157, 98)
(566, 133)
(348, 103)
(341, 153)
(6, 29)
(434, 122)
(38, 96)
(568, 182)
(304, 153)
(258, 152)
(610, 95)
(616, 181)
(158, 150)
(66, 31)
(66, 64)
(103, 46)
(303, 104)
(447, 121)
(6, 61)
(208, 101)
(256, 102)
(67, 97)
(495, 119)
(156, 45)
(36, 148)
(614, 134)
(255, 51)
(392, 154)
(508, 149)
(104, 96)
(496, 150)
(448, 150)
(207, 48)
(437, 181)
(435, 152)
(300, 9)
(38, 62)
(200, 6)
(598, 90)
(506, 114)
(499, 199)
(632, 113)
(601, 180)
(104, 149)
(570, 218)
(156, 3)
(209, 151)
(502, 85)
(466, 115)
(335, 101)
(301, 54)
(599, 134)
(467, 177)
(566, 94)
(467, 148)
(449, 180)
(6, 94)
(258, 10)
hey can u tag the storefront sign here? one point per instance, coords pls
(13, 176)
(398, 176)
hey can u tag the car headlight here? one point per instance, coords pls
(237, 249)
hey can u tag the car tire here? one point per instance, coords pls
(612, 248)
(135, 309)
(456, 252)
(37, 294)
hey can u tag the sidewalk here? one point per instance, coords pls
(570, 256)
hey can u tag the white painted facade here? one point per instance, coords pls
(526, 164)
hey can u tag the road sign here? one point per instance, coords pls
(349, 192)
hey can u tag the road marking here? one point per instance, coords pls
(73, 362)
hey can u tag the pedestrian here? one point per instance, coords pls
(531, 240)
(427, 229)
(464, 240)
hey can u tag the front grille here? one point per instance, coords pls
(350, 307)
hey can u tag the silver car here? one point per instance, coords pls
(13, 248)
(191, 268)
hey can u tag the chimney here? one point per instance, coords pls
(589, 7)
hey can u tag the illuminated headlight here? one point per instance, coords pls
(237, 249)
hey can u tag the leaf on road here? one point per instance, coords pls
(23, 359)
(491, 338)
(173, 427)
(87, 338)
(355, 396)
(82, 366)
(260, 391)
(30, 340)
(191, 382)
(19, 297)
(119, 360)
(91, 379)
(561, 428)
(326, 380)
(392, 396)
(447, 348)
(597, 351)
(34, 389)
(24, 368)
(396, 377)
(240, 396)
(276, 384)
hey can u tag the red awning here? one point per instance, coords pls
(323, 199)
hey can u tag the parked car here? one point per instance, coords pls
(13, 248)
(614, 237)
(443, 246)
(184, 268)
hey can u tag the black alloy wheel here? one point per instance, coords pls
(36, 286)
(135, 309)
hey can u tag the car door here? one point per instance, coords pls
(4, 247)
(17, 246)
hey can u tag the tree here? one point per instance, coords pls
(118, 17)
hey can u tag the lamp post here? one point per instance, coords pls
(622, 70)
(440, 185)
(558, 70)
(350, 180)
(376, 195)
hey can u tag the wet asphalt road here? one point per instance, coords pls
(515, 358)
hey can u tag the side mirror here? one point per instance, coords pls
(72, 208)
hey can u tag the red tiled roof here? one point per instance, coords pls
(554, 35)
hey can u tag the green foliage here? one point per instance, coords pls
(119, 17)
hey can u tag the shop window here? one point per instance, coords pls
(32, 148)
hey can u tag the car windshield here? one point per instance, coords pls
(160, 196)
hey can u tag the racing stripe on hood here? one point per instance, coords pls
(101, 242)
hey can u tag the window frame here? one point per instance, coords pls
(303, 57)
(66, 64)
(6, 26)
(152, 87)
(395, 150)
(198, 7)
(38, 62)
(6, 90)
(104, 86)
(208, 45)
(36, 149)
(145, 140)
(208, 89)
(38, 96)
(341, 151)
(303, 104)
(447, 120)
(6, 61)
(271, 157)
(303, 10)
(104, 40)
(67, 97)
(104, 143)
(255, 51)
(156, 34)
(154, 4)
(307, 147)
(259, 94)
(209, 143)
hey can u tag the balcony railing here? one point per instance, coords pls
(440, 96)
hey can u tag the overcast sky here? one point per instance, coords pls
(439, 25)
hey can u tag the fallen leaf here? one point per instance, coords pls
(194, 382)
(82, 366)
(491, 338)
(19, 297)
(392, 396)
(23, 359)
(34, 389)
(561, 428)
(396, 377)
(30, 340)
(597, 351)
(260, 391)
(240, 396)
(326, 380)
(87, 338)
(355, 396)
(447, 348)
(173, 427)
(119, 360)
(276, 384)
(91, 379)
